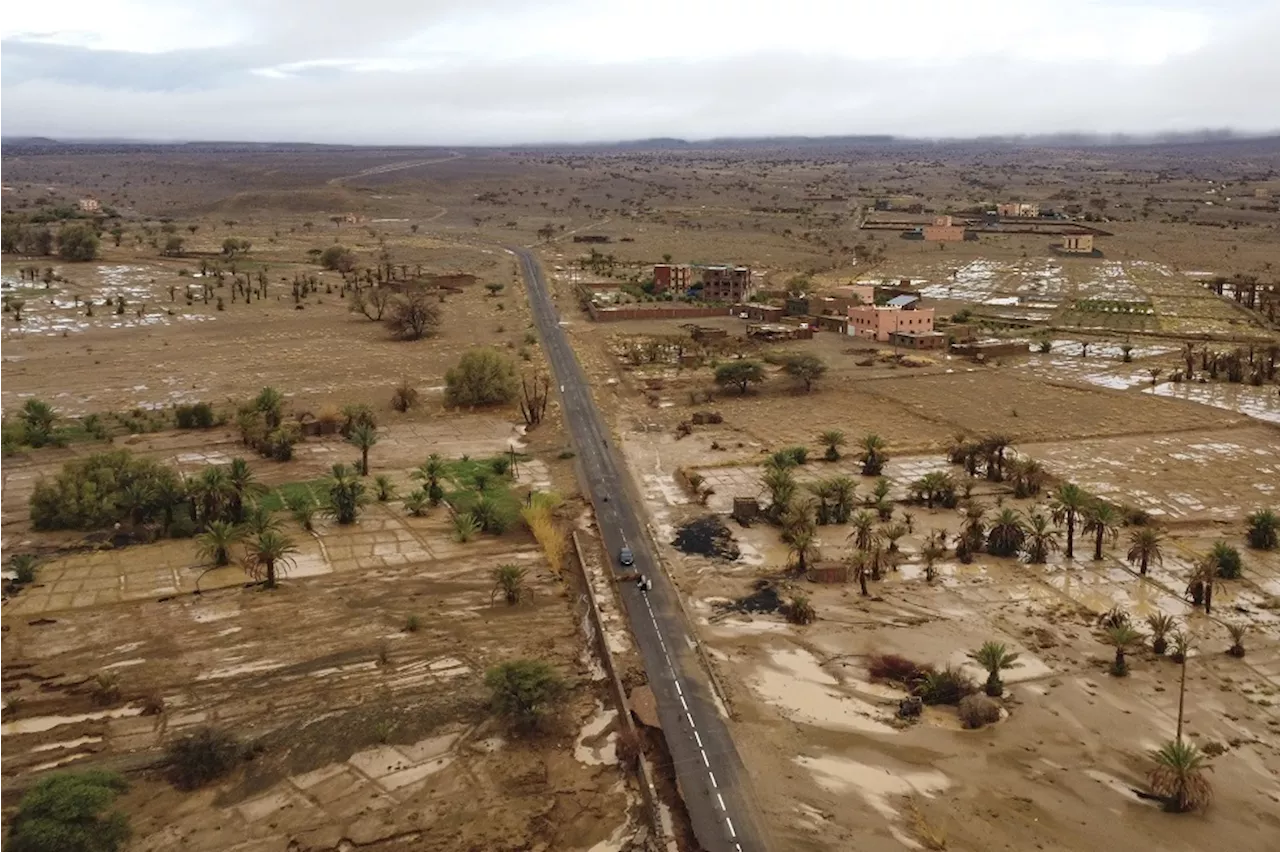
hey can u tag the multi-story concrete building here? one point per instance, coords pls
(1018, 210)
(670, 277)
(726, 283)
(873, 322)
(717, 283)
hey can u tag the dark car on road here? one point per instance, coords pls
(625, 557)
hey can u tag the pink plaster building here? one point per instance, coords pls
(877, 322)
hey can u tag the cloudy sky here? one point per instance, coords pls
(507, 71)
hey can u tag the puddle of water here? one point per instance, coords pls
(243, 668)
(875, 784)
(67, 744)
(796, 683)
(586, 751)
(40, 724)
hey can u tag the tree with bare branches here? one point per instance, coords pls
(411, 315)
(535, 392)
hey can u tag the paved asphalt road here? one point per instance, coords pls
(713, 781)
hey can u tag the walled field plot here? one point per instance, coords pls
(1003, 401)
(370, 729)
(1188, 476)
(1260, 403)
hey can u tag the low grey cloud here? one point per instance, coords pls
(402, 75)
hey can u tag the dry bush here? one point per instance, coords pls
(330, 419)
(404, 397)
(978, 710)
(540, 520)
(892, 668)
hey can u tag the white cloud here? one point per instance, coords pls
(505, 70)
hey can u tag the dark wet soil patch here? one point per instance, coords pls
(707, 536)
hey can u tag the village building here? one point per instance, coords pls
(943, 230)
(1077, 244)
(670, 278)
(90, 205)
(877, 322)
(1018, 210)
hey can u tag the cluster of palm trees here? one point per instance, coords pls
(1236, 365)
(989, 454)
(223, 502)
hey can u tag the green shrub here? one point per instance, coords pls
(195, 416)
(524, 691)
(1227, 560)
(70, 812)
(947, 686)
(483, 376)
(96, 492)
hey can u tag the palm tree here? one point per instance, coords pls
(934, 549)
(302, 506)
(1225, 560)
(265, 552)
(892, 533)
(880, 499)
(1161, 626)
(974, 532)
(241, 485)
(935, 486)
(802, 547)
(170, 492)
(832, 439)
(781, 485)
(1179, 776)
(863, 525)
(1237, 632)
(213, 490)
(416, 503)
(1041, 539)
(860, 565)
(874, 455)
(1200, 586)
(385, 487)
(259, 519)
(1264, 529)
(465, 527)
(1144, 547)
(995, 658)
(1069, 501)
(1122, 637)
(430, 473)
(1101, 519)
(844, 496)
(37, 418)
(346, 494)
(1007, 534)
(995, 446)
(269, 403)
(825, 494)
(1027, 475)
(138, 498)
(214, 544)
(364, 436)
(509, 579)
(958, 448)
